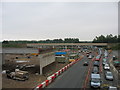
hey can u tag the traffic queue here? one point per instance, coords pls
(95, 79)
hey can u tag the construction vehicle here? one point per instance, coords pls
(17, 75)
(35, 54)
(61, 59)
(110, 50)
(73, 57)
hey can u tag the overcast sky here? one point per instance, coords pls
(35, 21)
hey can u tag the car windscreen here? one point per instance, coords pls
(96, 80)
(109, 74)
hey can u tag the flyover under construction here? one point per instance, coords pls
(64, 45)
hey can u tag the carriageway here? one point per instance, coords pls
(78, 76)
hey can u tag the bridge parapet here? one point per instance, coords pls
(40, 45)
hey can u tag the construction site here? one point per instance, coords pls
(29, 62)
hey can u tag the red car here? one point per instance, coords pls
(97, 59)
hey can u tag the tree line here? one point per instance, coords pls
(98, 39)
(66, 40)
(107, 39)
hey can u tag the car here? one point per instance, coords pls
(86, 64)
(95, 70)
(108, 75)
(90, 51)
(79, 51)
(104, 59)
(105, 86)
(90, 57)
(96, 63)
(116, 63)
(112, 88)
(87, 54)
(95, 81)
(106, 67)
(98, 58)
(106, 54)
(114, 57)
(104, 63)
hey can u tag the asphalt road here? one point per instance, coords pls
(74, 77)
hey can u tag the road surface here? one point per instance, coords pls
(74, 77)
(78, 76)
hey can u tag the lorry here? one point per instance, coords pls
(95, 81)
(73, 57)
(59, 53)
(60, 57)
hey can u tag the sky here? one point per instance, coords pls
(52, 20)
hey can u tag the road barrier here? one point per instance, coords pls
(112, 66)
(101, 65)
(51, 78)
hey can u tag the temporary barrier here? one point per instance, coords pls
(60, 71)
(57, 74)
(38, 87)
(47, 82)
(53, 77)
(44, 84)
(63, 69)
(68, 65)
(50, 79)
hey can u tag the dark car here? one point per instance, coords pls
(87, 55)
(114, 57)
(86, 64)
(96, 63)
(95, 70)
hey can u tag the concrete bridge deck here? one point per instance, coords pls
(66, 44)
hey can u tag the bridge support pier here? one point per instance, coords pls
(41, 70)
(65, 47)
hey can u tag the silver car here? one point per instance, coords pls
(106, 67)
(108, 75)
(112, 88)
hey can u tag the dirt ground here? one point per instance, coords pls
(34, 79)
